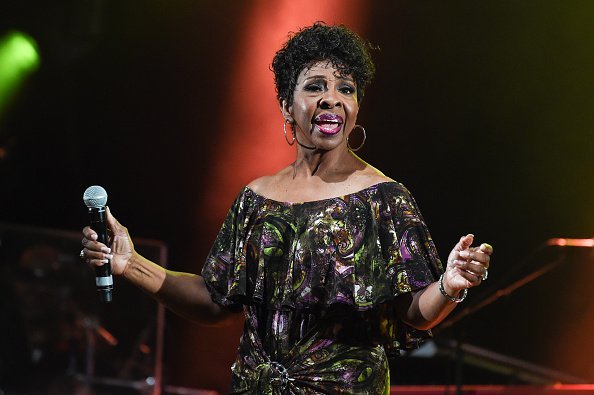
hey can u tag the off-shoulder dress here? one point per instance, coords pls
(317, 282)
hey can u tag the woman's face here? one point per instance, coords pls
(325, 106)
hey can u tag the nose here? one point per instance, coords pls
(330, 99)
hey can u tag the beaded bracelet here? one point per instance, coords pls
(451, 298)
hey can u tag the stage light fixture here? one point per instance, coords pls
(19, 57)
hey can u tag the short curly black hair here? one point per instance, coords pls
(343, 48)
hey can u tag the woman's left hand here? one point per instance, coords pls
(467, 266)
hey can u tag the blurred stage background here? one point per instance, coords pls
(484, 110)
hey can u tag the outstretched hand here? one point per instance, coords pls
(119, 251)
(467, 266)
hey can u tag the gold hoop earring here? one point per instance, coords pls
(362, 142)
(285, 131)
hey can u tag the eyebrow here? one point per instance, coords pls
(313, 77)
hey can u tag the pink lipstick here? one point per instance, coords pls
(329, 123)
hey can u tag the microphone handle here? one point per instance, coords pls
(103, 277)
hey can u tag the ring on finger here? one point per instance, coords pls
(486, 275)
(82, 254)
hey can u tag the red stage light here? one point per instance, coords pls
(563, 242)
(252, 143)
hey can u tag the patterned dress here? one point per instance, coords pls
(317, 282)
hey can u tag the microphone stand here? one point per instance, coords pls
(506, 291)
(92, 329)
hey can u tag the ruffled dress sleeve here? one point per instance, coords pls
(410, 256)
(224, 271)
(408, 249)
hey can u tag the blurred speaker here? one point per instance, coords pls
(57, 336)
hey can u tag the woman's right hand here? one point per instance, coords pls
(120, 250)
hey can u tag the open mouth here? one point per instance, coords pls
(329, 123)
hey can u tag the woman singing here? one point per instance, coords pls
(329, 260)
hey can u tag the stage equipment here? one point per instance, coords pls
(57, 336)
(557, 389)
(537, 333)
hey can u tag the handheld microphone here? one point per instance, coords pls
(95, 198)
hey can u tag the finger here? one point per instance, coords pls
(96, 258)
(486, 248)
(89, 233)
(472, 279)
(475, 255)
(465, 242)
(111, 221)
(92, 245)
(474, 268)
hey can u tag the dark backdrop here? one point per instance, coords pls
(483, 109)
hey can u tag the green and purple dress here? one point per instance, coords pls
(317, 283)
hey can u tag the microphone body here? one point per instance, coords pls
(95, 198)
(103, 277)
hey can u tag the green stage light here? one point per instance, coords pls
(18, 59)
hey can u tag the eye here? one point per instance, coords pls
(315, 87)
(347, 89)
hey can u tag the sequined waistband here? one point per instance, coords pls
(272, 376)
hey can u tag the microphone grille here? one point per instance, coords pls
(95, 196)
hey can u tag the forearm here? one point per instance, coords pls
(184, 293)
(429, 307)
(467, 267)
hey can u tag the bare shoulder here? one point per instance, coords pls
(371, 176)
(262, 185)
(259, 184)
